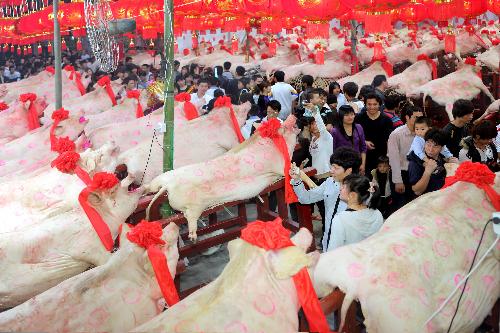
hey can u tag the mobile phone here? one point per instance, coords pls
(304, 162)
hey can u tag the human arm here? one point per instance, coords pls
(448, 156)
(306, 196)
(417, 147)
(421, 185)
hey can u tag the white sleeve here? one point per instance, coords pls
(462, 155)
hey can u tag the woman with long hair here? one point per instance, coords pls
(334, 89)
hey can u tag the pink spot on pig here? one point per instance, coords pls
(396, 308)
(198, 172)
(394, 281)
(398, 249)
(441, 248)
(132, 296)
(264, 304)
(430, 327)
(219, 175)
(236, 326)
(258, 166)
(32, 145)
(488, 280)
(487, 205)
(2, 162)
(419, 231)
(422, 295)
(427, 270)
(457, 278)
(133, 143)
(356, 270)
(137, 133)
(23, 162)
(449, 309)
(443, 223)
(268, 155)
(473, 215)
(249, 159)
(39, 196)
(205, 187)
(230, 186)
(98, 317)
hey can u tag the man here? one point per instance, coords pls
(458, 128)
(143, 80)
(344, 161)
(307, 87)
(398, 146)
(380, 84)
(273, 110)
(350, 91)
(146, 69)
(177, 73)
(480, 146)
(283, 93)
(392, 99)
(377, 128)
(227, 73)
(428, 176)
(200, 98)
(12, 75)
(231, 86)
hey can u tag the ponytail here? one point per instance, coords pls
(368, 192)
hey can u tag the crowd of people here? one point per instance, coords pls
(373, 149)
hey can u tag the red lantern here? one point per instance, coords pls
(494, 6)
(443, 10)
(176, 47)
(12, 48)
(450, 42)
(63, 45)
(79, 44)
(473, 8)
(412, 13)
(234, 44)
(19, 50)
(49, 47)
(39, 49)
(29, 50)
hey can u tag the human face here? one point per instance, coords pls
(145, 69)
(336, 90)
(348, 118)
(271, 113)
(131, 85)
(372, 106)
(467, 118)
(259, 80)
(240, 85)
(313, 128)
(410, 121)
(383, 167)
(432, 149)
(481, 143)
(202, 88)
(339, 173)
(317, 100)
(344, 193)
(421, 129)
(333, 106)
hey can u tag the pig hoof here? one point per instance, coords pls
(193, 236)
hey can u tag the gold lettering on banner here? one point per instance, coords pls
(257, 2)
(307, 3)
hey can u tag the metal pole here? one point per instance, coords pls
(354, 40)
(57, 55)
(168, 106)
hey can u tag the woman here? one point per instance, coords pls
(361, 219)
(334, 89)
(261, 97)
(479, 147)
(348, 134)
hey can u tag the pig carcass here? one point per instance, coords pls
(14, 120)
(332, 68)
(254, 293)
(43, 76)
(145, 58)
(414, 76)
(491, 58)
(115, 297)
(404, 272)
(57, 248)
(365, 77)
(219, 137)
(32, 151)
(462, 84)
(239, 174)
(91, 103)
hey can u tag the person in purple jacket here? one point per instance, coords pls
(348, 134)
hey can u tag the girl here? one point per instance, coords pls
(361, 219)
(334, 89)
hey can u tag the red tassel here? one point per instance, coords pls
(194, 42)
(33, 121)
(272, 48)
(136, 94)
(319, 58)
(79, 44)
(190, 111)
(19, 50)
(11, 48)
(430, 62)
(63, 45)
(106, 83)
(176, 47)
(378, 52)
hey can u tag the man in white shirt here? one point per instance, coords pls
(201, 97)
(283, 93)
(12, 75)
(350, 91)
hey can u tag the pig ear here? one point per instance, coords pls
(94, 199)
(302, 239)
(171, 233)
(289, 261)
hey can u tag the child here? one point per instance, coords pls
(422, 125)
(380, 177)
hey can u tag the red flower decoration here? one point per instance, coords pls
(50, 69)
(3, 106)
(423, 57)
(60, 115)
(471, 61)
(270, 128)
(27, 97)
(363, 41)
(264, 56)
(310, 55)
(185, 52)
(294, 46)
(146, 234)
(484, 31)
(103, 181)
(104, 81)
(62, 145)
(66, 162)
(133, 94)
(475, 173)
(183, 97)
(223, 101)
(347, 43)
(347, 51)
(495, 42)
(69, 68)
(267, 235)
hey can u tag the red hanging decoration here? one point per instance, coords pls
(450, 42)
(226, 101)
(378, 52)
(431, 62)
(234, 44)
(136, 94)
(11, 48)
(79, 44)
(19, 50)
(49, 47)
(67, 162)
(105, 82)
(317, 29)
(319, 57)
(190, 111)
(39, 49)
(176, 48)
(194, 41)
(377, 23)
(63, 45)
(33, 122)
(272, 47)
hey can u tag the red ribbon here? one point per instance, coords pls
(3, 106)
(51, 70)
(101, 181)
(77, 77)
(148, 236)
(226, 101)
(269, 129)
(190, 111)
(273, 236)
(67, 162)
(106, 83)
(430, 62)
(223, 47)
(479, 175)
(33, 121)
(137, 95)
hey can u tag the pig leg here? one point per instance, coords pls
(485, 90)
(345, 307)
(192, 216)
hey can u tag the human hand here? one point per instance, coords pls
(362, 169)
(452, 160)
(294, 171)
(430, 166)
(370, 145)
(400, 187)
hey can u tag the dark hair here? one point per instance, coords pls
(322, 92)
(145, 65)
(218, 70)
(203, 81)
(373, 96)
(177, 63)
(127, 59)
(246, 97)
(141, 73)
(378, 80)
(308, 80)
(383, 160)
(331, 99)
(227, 65)
(350, 89)
(275, 105)
(313, 92)
(259, 88)
(392, 99)
(342, 112)
(254, 111)
(409, 109)
(361, 186)
(192, 67)
(423, 120)
(436, 135)
(305, 121)
(218, 93)
(484, 130)
(130, 78)
(461, 108)
(332, 86)
(213, 81)
(365, 91)
(346, 158)
(279, 76)
(240, 70)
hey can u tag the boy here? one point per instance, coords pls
(422, 125)
(381, 176)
